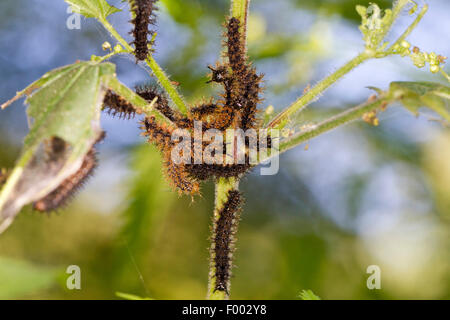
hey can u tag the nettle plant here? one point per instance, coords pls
(66, 103)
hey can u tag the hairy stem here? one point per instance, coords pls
(137, 101)
(222, 240)
(239, 10)
(167, 84)
(334, 122)
(411, 27)
(279, 121)
(157, 70)
(398, 7)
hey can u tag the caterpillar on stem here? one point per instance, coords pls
(143, 12)
(71, 185)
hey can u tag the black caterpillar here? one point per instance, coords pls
(71, 185)
(224, 231)
(143, 17)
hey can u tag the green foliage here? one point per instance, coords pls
(414, 95)
(308, 295)
(344, 8)
(184, 11)
(64, 103)
(99, 9)
(68, 104)
(19, 278)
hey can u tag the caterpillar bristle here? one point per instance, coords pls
(179, 179)
(159, 134)
(242, 91)
(204, 172)
(236, 108)
(218, 73)
(223, 240)
(235, 46)
(143, 17)
(150, 92)
(115, 105)
(203, 110)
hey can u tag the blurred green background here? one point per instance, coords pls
(358, 196)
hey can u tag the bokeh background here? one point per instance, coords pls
(359, 196)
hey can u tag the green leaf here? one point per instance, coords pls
(129, 296)
(308, 295)
(99, 9)
(414, 95)
(64, 103)
(20, 278)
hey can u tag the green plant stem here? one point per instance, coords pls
(280, 120)
(157, 70)
(167, 84)
(239, 10)
(223, 187)
(334, 122)
(408, 31)
(115, 34)
(398, 7)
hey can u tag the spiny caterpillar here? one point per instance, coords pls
(143, 16)
(242, 88)
(161, 136)
(235, 109)
(150, 92)
(69, 187)
(223, 248)
(116, 105)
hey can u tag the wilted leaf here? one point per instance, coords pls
(65, 103)
(414, 95)
(99, 9)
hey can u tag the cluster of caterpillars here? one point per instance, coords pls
(235, 109)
